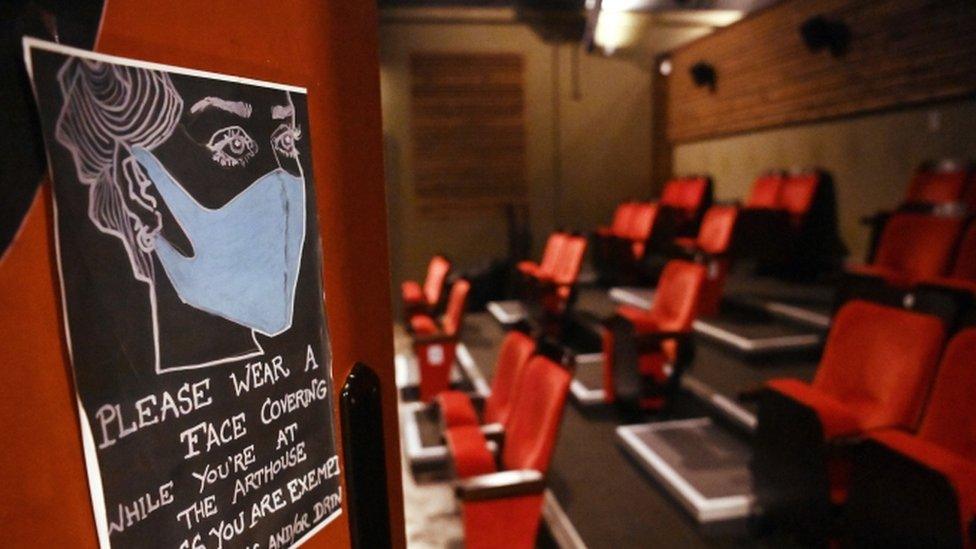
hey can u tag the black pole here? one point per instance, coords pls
(362, 433)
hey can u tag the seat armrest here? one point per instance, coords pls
(506, 484)
(494, 432)
(433, 338)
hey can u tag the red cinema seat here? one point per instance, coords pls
(913, 247)
(875, 372)
(645, 351)
(686, 198)
(765, 191)
(426, 299)
(796, 196)
(639, 230)
(435, 343)
(919, 489)
(962, 277)
(616, 247)
(502, 500)
(621, 221)
(554, 294)
(550, 256)
(456, 408)
(711, 248)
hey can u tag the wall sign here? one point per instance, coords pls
(190, 265)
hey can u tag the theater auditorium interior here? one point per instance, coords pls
(569, 273)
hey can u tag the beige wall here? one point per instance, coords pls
(871, 157)
(588, 136)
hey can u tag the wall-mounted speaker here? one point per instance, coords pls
(820, 33)
(704, 75)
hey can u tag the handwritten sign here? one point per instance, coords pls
(188, 250)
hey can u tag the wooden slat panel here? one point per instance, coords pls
(902, 52)
(468, 131)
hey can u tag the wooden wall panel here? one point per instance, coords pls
(902, 52)
(467, 113)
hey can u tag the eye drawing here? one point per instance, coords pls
(232, 147)
(284, 139)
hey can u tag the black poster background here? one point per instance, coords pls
(109, 318)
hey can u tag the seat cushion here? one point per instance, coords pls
(469, 451)
(642, 319)
(838, 418)
(411, 293)
(423, 325)
(456, 409)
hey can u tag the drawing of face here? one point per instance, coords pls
(206, 185)
(232, 237)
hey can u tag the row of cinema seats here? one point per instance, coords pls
(435, 336)
(918, 249)
(884, 424)
(500, 449)
(945, 186)
(788, 225)
(928, 242)
(639, 227)
(878, 450)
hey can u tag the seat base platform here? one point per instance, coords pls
(754, 332)
(702, 464)
(509, 312)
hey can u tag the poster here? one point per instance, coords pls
(189, 259)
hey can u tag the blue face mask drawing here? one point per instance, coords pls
(246, 254)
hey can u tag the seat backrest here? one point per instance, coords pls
(570, 260)
(715, 234)
(641, 222)
(950, 417)
(918, 245)
(676, 299)
(516, 350)
(672, 194)
(964, 266)
(622, 218)
(880, 361)
(530, 434)
(551, 254)
(694, 190)
(451, 321)
(765, 191)
(797, 194)
(686, 194)
(437, 271)
(933, 186)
